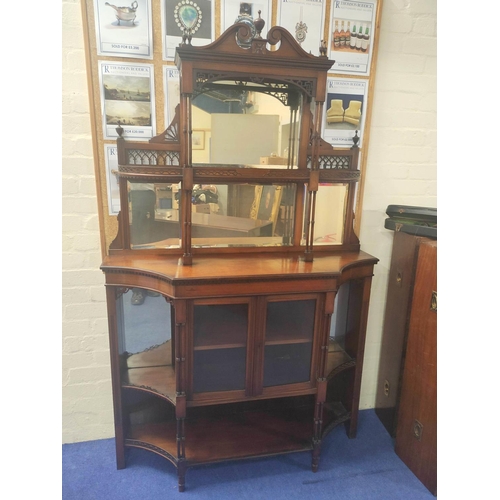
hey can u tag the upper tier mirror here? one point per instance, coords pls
(246, 125)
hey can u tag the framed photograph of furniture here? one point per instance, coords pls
(346, 104)
(198, 139)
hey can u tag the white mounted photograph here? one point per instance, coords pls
(127, 99)
(124, 30)
(352, 26)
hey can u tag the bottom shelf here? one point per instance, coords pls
(334, 414)
(215, 439)
(215, 436)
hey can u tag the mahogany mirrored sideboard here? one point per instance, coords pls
(237, 292)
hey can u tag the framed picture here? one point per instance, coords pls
(266, 203)
(198, 139)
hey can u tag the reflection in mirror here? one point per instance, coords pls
(242, 215)
(330, 214)
(144, 324)
(153, 215)
(236, 124)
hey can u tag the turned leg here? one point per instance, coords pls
(315, 454)
(181, 475)
(317, 432)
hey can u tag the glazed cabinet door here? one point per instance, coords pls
(287, 341)
(253, 346)
(220, 357)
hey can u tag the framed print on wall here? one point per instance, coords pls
(124, 31)
(198, 139)
(345, 110)
(352, 26)
(198, 16)
(304, 19)
(171, 90)
(127, 99)
(112, 188)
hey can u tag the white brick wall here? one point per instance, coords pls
(86, 392)
(401, 163)
(401, 169)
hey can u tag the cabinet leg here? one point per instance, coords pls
(120, 450)
(181, 475)
(120, 460)
(315, 455)
(351, 426)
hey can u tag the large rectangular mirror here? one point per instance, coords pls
(242, 125)
(242, 214)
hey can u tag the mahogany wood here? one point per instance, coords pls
(257, 282)
(250, 368)
(416, 435)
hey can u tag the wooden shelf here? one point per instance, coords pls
(155, 356)
(287, 339)
(334, 413)
(223, 339)
(157, 379)
(338, 359)
(241, 435)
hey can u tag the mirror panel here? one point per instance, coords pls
(330, 214)
(154, 215)
(240, 214)
(241, 125)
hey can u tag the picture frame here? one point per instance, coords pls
(198, 139)
(266, 203)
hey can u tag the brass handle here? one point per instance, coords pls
(418, 428)
(399, 278)
(434, 301)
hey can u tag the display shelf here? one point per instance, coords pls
(158, 355)
(285, 338)
(334, 413)
(232, 436)
(219, 343)
(157, 379)
(337, 360)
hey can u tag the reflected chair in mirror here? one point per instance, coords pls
(353, 113)
(335, 113)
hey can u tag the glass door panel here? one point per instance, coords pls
(220, 335)
(144, 327)
(288, 342)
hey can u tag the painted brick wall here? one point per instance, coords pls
(401, 162)
(401, 168)
(86, 383)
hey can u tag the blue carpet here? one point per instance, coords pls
(365, 468)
